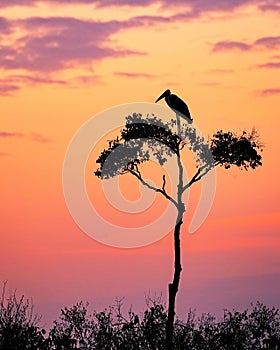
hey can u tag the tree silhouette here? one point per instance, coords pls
(144, 137)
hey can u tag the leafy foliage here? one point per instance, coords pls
(140, 139)
(76, 328)
(19, 328)
(143, 137)
(230, 149)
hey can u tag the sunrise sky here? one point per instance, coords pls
(62, 62)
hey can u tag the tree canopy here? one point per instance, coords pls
(143, 137)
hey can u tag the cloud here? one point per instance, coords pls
(269, 65)
(11, 3)
(7, 134)
(269, 43)
(228, 45)
(194, 8)
(87, 80)
(57, 43)
(8, 89)
(269, 92)
(38, 138)
(134, 75)
(13, 83)
(4, 25)
(270, 6)
(31, 136)
(221, 71)
(45, 46)
(210, 83)
(202, 5)
(31, 80)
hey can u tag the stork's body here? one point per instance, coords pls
(177, 105)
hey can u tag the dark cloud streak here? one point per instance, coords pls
(134, 75)
(228, 45)
(32, 136)
(269, 65)
(268, 43)
(8, 89)
(8, 134)
(269, 92)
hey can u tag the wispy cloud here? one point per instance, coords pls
(210, 83)
(34, 80)
(221, 71)
(8, 89)
(31, 136)
(4, 25)
(57, 43)
(188, 8)
(228, 45)
(12, 83)
(276, 57)
(50, 45)
(270, 6)
(269, 92)
(269, 65)
(134, 75)
(8, 134)
(38, 137)
(193, 5)
(87, 80)
(30, 80)
(269, 43)
(44, 46)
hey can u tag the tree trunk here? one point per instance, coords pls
(174, 286)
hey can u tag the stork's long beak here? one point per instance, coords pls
(160, 97)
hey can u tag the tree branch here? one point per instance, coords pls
(135, 172)
(198, 175)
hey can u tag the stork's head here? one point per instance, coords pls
(165, 94)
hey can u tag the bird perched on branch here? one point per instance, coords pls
(177, 105)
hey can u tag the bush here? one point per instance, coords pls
(19, 328)
(110, 329)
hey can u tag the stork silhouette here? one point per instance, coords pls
(177, 105)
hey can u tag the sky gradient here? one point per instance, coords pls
(62, 62)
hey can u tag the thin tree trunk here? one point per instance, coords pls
(174, 286)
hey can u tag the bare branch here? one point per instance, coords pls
(163, 182)
(135, 172)
(202, 171)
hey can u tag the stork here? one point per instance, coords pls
(177, 105)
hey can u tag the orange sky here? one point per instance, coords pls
(63, 63)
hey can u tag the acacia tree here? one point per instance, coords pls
(144, 137)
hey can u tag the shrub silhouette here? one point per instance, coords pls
(19, 327)
(110, 329)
